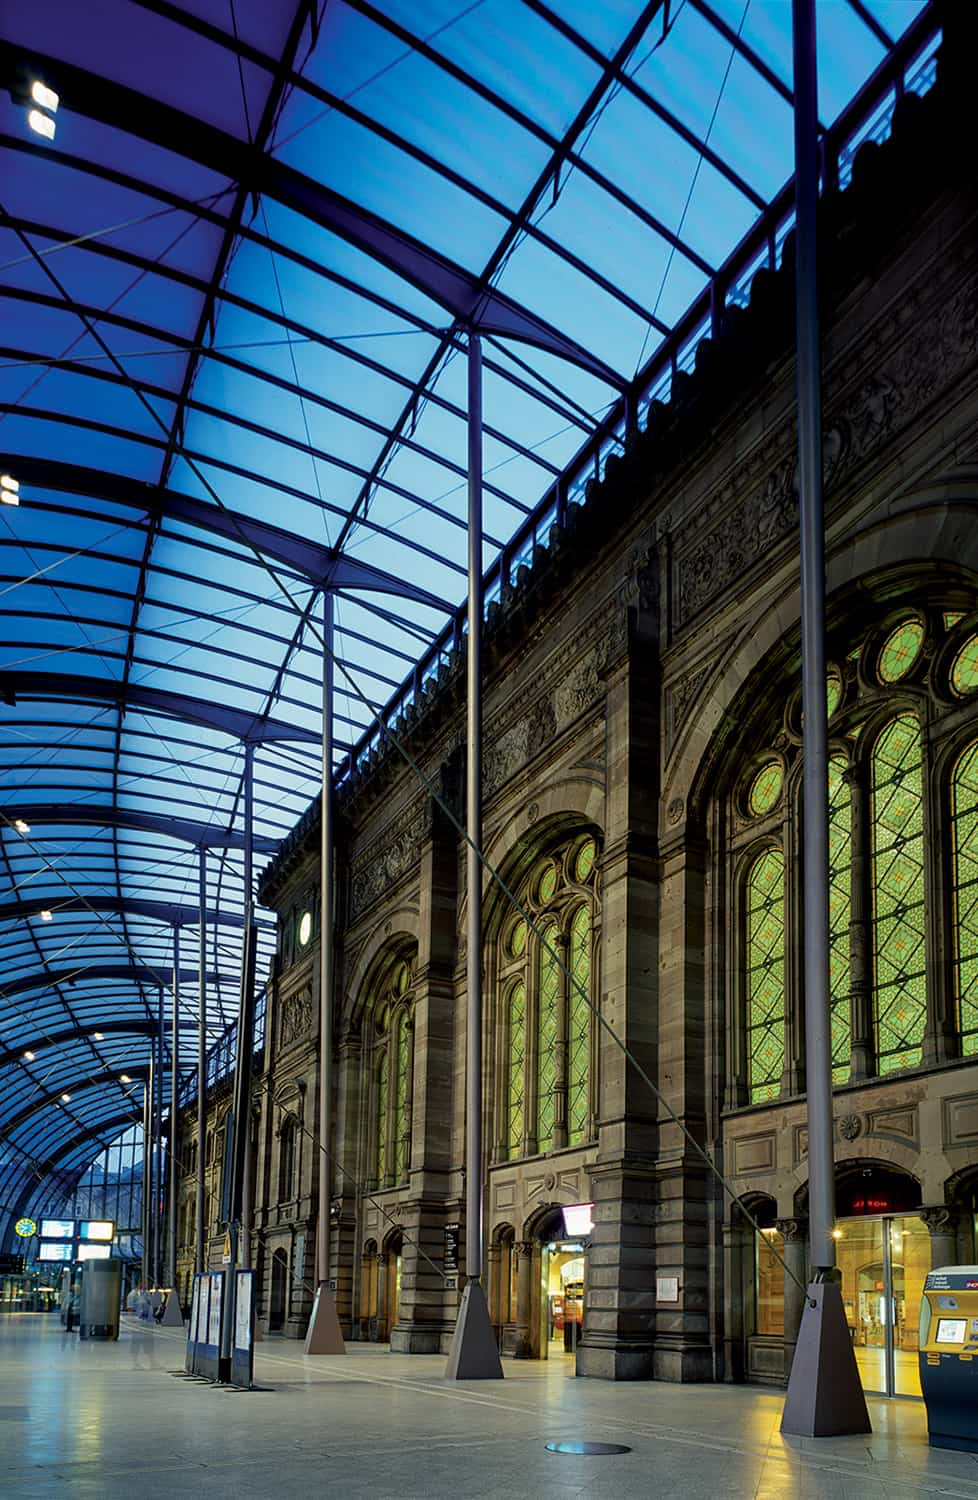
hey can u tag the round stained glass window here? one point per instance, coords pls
(305, 928)
(547, 883)
(833, 690)
(584, 863)
(964, 668)
(517, 939)
(765, 789)
(900, 651)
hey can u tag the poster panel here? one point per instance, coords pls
(242, 1311)
(214, 1322)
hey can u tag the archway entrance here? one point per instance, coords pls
(277, 1300)
(389, 1289)
(563, 1274)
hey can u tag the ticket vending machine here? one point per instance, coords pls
(948, 1356)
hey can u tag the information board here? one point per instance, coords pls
(214, 1323)
(193, 1324)
(243, 1340)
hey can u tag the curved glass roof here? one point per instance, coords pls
(237, 269)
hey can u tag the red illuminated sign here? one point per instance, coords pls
(870, 1205)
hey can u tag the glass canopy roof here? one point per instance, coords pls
(237, 269)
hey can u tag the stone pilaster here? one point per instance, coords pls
(523, 1348)
(794, 1235)
(942, 1226)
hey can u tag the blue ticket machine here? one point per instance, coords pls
(948, 1346)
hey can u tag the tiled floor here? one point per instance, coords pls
(103, 1421)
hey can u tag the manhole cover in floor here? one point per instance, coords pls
(588, 1450)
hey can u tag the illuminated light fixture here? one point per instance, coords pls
(41, 124)
(124, 1078)
(28, 1057)
(837, 1234)
(9, 490)
(65, 1098)
(97, 1036)
(44, 96)
(45, 916)
(22, 826)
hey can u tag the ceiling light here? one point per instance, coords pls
(40, 123)
(98, 1036)
(9, 490)
(22, 826)
(28, 1057)
(65, 1098)
(837, 1234)
(45, 916)
(44, 96)
(124, 1078)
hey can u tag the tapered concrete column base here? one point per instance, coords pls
(324, 1335)
(825, 1395)
(173, 1312)
(474, 1355)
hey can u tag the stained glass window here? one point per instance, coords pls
(584, 863)
(900, 651)
(765, 975)
(516, 1071)
(517, 939)
(900, 997)
(964, 668)
(840, 901)
(547, 883)
(951, 618)
(579, 1027)
(381, 1120)
(402, 1103)
(964, 835)
(547, 1002)
(833, 690)
(765, 789)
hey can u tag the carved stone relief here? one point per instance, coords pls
(295, 1017)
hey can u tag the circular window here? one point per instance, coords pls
(833, 690)
(305, 928)
(765, 789)
(517, 939)
(584, 863)
(964, 668)
(900, 650)
(547, 883)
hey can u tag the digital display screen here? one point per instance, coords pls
(96, 1229)
(578, 1219)
(94, 1252)
(55, 1252)
(950, 1331)
(57, 1229)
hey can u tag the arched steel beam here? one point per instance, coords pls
(76, 1033)
(136, 1073)
(465, 296)
(322, 565)
(248, 728)
(143, 973)
(157, 911)
(36, 1169)
(183, 829)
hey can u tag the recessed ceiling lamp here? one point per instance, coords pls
(9, 490)
(22, 826)
(65, 1098)
(45, 916)
(41, 120)
(124, 1078)
(97, 1036)
(28, 1057)
(44, 96)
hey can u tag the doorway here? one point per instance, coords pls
(562, 1264)
(280, 1281)
(884, 1262)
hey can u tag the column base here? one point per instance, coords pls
(417, 1340)
(615, 1363)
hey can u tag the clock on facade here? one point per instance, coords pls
(25, 1228)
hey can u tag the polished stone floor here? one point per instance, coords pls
(94, 1421)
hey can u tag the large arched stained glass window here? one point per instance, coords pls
(765, 975)
(548, 995)
(579, 1027)
(393, 1030)
(402, 1101)
(964, 835)
(899, 948)
(515, 1083)
(380, 1122)
(840, 903)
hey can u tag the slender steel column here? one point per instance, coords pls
(246, 1052)
(158, 1190)
(147, 1168)
(171, 1239)
(326, 953)
(473, 824)
(201, 1206)
(815, 828)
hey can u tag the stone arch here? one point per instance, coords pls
(378, 956)
(570, 803)
(884, 1157)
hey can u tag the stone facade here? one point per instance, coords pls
(637, 675)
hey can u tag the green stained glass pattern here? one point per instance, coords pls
(951, 618)
(548, 1000)
(964, 668)
(765, 975)
(900, 650)
(833, 690)
(380, 1121)
(964, 836)
(547, 883)
(899, 957)
(765, 789)
(516, 1066)
(517, 939)
(584, 863)
(840, 900)
(402, 1102)
(579, 1028)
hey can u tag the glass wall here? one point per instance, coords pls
(884, 1262)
